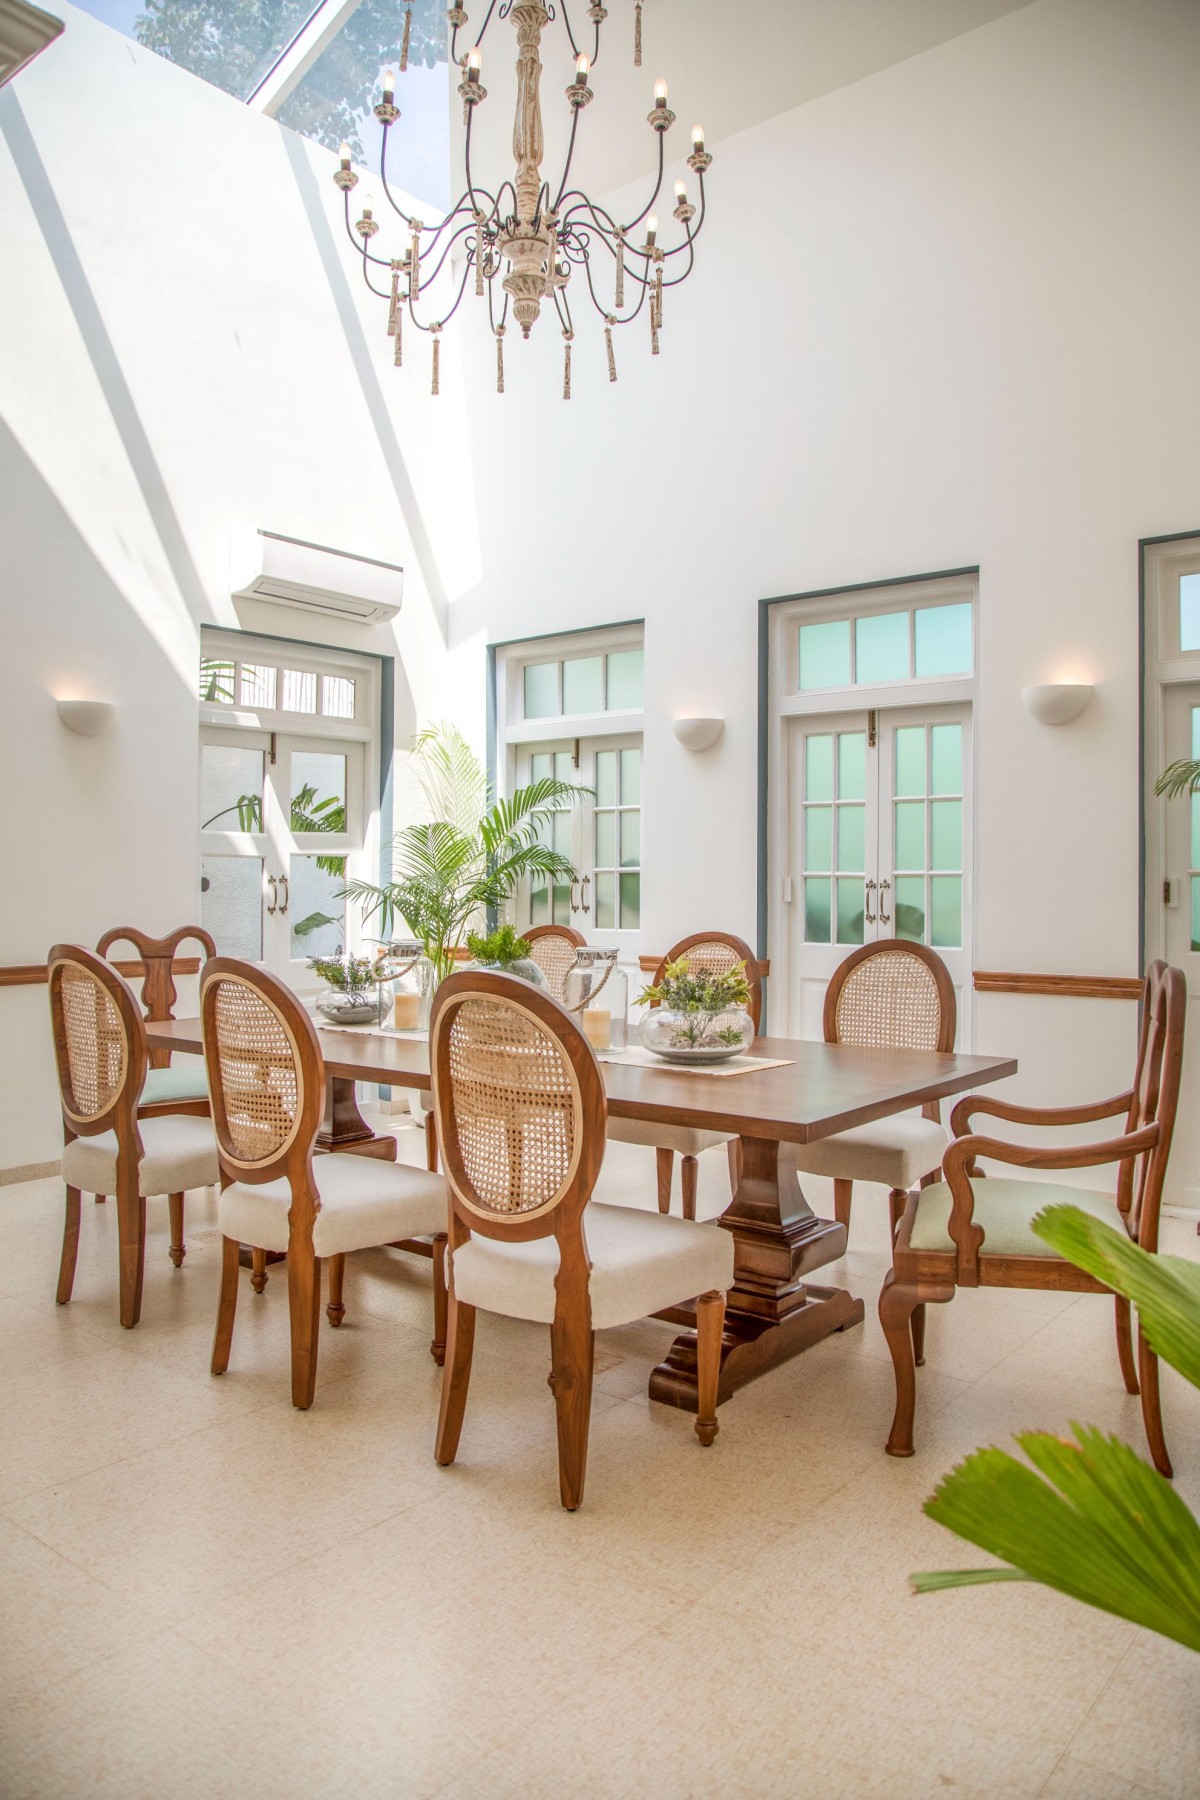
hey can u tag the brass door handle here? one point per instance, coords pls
(867, 913)
(574, 895)
(284, 880)
(274, 893)
(884, 917)
(586, 879)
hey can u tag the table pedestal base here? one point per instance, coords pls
(345, 1130)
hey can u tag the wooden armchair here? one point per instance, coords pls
(715, 952)
(553, 948)
(969, 1232)
(171, 1087)
(890, 995)
(521, 1113)
(101, 1051)
(267, 1079)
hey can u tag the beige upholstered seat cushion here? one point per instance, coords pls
(178, 1153)
(184, 1079)
(1005, 1209)
(641, 1262)
(364, 1202)
(681, 1138)
(895, 1152)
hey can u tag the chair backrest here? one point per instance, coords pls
(892, 995)
(99, 1045)
(157, 956)
(1155, 1097)
(266, 1076)
(552, 948)
(715, 953)
(521, 1111)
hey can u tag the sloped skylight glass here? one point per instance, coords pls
(231, 43)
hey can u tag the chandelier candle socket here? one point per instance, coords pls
(525, 242)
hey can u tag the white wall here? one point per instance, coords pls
(944, 317)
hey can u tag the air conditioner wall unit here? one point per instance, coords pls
(287, 571)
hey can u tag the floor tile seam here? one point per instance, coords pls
(1068, 1750)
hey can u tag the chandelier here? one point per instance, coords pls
(529, 242)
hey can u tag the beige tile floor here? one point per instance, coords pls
(204, 1593)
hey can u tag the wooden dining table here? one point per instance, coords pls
(774, 1311)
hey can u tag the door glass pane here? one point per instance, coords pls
(818, 768)
(910, 907)
(1189, 613)
(631, 852)
(318, 800)
(1195, 912)
(849, 912)
(1194, 803)
(881, 647)
(910, 834)
(945, 755)
(562, 903)
(606, 778)
(945, 908)
(818, 837)
(606, 902)
(562, 833)
(606, 840)
(541, 767)
(631, 777)
(943, 640)
(541, 690)
(945, 834)
(631, 902)
(583, 684)
(299, 691)
(258, 685)
(852, 765)
(624, 680)
(564, 766)
(337, 696)
(231, 788)
(231, 904)
(852, 839)
(910, 760)
(216, 680)
(316, 915)
(825, 655)
(539, 905)
(816, 911)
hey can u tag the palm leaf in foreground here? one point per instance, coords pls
(1183, 777)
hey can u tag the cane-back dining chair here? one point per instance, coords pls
(176, 1085)
(266, 1075)
(970, 1232)
(890, 995)
(715, 953)
(552, 948)
(101, 1052)
(521, 1113)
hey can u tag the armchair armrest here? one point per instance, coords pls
(1036, 1115)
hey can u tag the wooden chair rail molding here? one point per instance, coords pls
(30, 974)
(649, 964)
(1071, 987)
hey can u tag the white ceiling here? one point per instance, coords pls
(729, 64)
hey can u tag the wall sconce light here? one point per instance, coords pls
(1057, 702)
(697, 734)
(86, 718)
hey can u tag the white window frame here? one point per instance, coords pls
(1166, 666)
(512, 728)
(786, 701)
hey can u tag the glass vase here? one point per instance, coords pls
(596, 991)
(410, 980)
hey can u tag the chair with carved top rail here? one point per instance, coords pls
(715, 953)
(172, 1086)
(552, 948)
(521, 1115)
(890, 995)
(102, 1056)
(966, 1232)
(267, 1079)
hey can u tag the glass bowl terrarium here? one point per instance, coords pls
(505, 953)
(697, 1017)
(354, 996)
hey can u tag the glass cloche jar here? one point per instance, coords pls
(697, 1016)
(596, 990)
(408, 972)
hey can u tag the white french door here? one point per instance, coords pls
(602, 836)
(879, 843)
(281, 825)
(1180, 916)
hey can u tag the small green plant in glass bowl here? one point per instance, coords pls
(357, 995)
(505, 952)
(697, 1017)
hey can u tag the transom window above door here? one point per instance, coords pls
(604, 682)
(292, 685)
(913, 644)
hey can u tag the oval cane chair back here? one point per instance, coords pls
(1155, 1098)
(99, 1043)
(157, 956)
(266, 1075)
(892, 995)
(552, 948)
(520, 1107)
(716, 953)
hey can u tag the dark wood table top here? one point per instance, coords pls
(824, 1088)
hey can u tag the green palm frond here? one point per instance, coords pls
(449, 776)
(1182, 777)
(520, 817)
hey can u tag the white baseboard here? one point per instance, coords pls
(29, 1172)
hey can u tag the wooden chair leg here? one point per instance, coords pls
(710, 1325)
(572, 1356)
(897, 1201)
(335, 1312)
(689, 1170)
(437, 1348)
(226, 1305)
(70, 1247)
(178, 1248)
(918, 1335)
(456, 1378)
(843, 1193)
(258, 1270)
(1152, 1406)
(1125, 1344)
(431, 1142)
(665, 1170)
(896, 1307)
(100, 1199)
(304, 1307)
(734, 1152)
(131, 1231)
